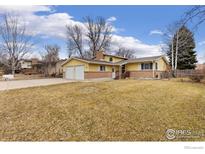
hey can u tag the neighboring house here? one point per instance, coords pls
(110, 66)
(25, 64)
(30, 66)
(56, 69)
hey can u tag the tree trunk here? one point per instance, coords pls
(173, 54)
(177, 44)
(13, 66)
(13, 71)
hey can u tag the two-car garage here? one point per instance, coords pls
(81, 69)
(74, 73)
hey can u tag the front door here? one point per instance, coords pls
(123, 75)
(113, 73)
(123, 69)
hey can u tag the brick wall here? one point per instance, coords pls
(91, 75)
(144, 74)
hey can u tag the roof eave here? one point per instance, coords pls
(163, 58)
(86, 61)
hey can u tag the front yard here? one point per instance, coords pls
(126, 110)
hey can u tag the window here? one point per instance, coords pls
(146, 66)
(123, 68)
(156, 66)
(102, 68)
(110, 59)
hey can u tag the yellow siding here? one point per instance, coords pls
(133, 67)
(96, 67)
(114, 59)
(162, 66)
(116, 68)
(75, 62)
(88, 67)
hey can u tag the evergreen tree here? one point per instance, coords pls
(186, 57)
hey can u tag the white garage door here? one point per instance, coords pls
(75, 73)
(79, 72)
(69, 73)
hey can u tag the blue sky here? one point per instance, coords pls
(136, 21)
(137, 27)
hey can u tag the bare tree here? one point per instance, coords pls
(125, 52)
(178, 43)
(16, 43)
(171, 30)
(175, 40)
(50, 57)
(74, 40)
(195, 15)
(99, 34)
(1, 57)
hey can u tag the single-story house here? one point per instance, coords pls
(111, 66)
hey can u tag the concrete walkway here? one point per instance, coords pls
(6, 85)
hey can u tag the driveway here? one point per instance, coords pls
(6, 85)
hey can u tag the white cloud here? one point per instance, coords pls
(201, 57)
(52, 25)
(111, 19)
(117, 30)
(26, 9)
(202, 43)
(156, 32)
(142, 49)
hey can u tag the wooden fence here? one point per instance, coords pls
(182, 73)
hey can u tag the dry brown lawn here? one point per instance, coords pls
(126, 110)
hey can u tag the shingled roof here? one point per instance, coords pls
(93, 61)
(142, 59)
